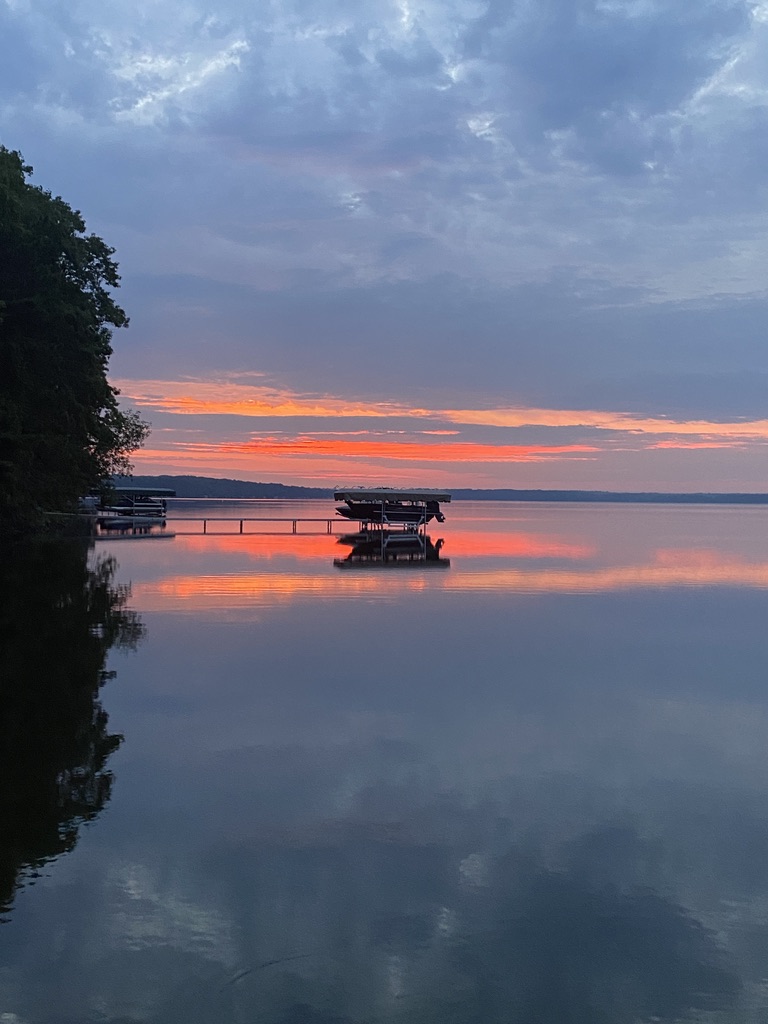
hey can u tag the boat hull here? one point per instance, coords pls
(137, 511)
(115, 521)
(371, 512)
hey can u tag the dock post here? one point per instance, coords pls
(241, 526)
(205, 525)
(294, 526)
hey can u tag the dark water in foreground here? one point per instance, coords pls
(530, 786)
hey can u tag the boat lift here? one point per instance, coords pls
(125, 507)
(393, 525)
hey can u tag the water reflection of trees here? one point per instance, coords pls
(59, 617)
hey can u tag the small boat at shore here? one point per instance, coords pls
(126, 506)
(116, 521)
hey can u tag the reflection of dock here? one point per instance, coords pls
(386, 549)
(111, 535)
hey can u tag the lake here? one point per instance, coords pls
(260, 779)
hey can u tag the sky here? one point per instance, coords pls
(438, 243)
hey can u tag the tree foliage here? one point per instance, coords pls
(61, 429)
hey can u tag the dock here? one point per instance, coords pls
(245, 529)
(392, 524)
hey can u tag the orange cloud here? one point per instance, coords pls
(604, 420)
(227, 397)
(410, 451)
(311, 471)
(224, 398)
(685, 445)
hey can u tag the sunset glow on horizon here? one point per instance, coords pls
(207, 428)
(453, 225)
(227, 398)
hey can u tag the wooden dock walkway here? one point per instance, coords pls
(295, 521)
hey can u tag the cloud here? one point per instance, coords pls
(228, 397)
(386, 452)
(553, 205)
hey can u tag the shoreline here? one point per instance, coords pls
(214, 488)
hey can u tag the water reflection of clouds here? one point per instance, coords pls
(495, 547)
(452, 800)
(678, 569)
(471, 903)
(667, 569)
(518, 544)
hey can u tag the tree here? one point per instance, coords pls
(62, 432)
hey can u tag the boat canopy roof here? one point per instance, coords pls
(389, 494)
(144, 492)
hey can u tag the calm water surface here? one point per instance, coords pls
(530, 785)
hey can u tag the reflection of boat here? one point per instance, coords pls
(391, 549)
(117, 526)
(387, 506)
(146, 531)
(144, 510)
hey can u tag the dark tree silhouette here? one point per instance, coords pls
(61, 430)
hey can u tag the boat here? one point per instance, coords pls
(127, 505)
(391, 512)
(116, 521)
(387, 506)
(143, 510)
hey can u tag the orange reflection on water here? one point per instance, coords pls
(261, 545)
(233, 590)
(245, 590)
(516, 545)
(669, 568)
(304, 548)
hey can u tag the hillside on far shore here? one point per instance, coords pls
(213, 487)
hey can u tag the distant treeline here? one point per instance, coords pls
(647, 497)
(212, 487)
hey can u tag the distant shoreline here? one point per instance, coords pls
(202, 487)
